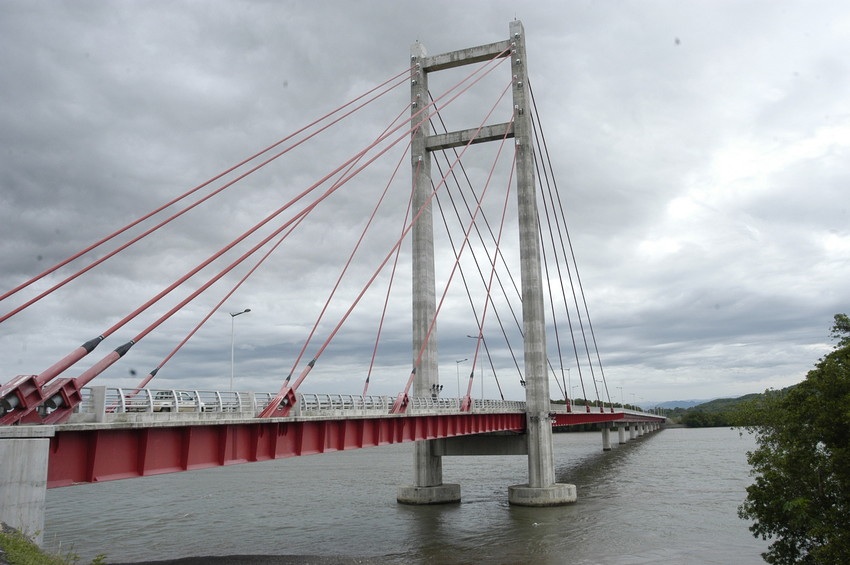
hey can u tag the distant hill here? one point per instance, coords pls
(680, 403)
(725, 404)
(717, 412)
(711, 405)
(710, 413)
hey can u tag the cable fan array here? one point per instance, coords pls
(473, 199)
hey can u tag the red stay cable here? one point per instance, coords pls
(488, 300)
(82, 351)
(181, 212)
(218, 305)
(286, 391)
(463, 244)
(389, 289)
(356, 245)
(99, 367)
(79, 352)
(141, 219)
(110, 358)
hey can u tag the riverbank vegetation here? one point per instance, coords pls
(722, 412)
(18, 549)
(800, 498)
(718, 413)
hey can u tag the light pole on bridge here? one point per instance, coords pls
(232, 326)
(457, 367)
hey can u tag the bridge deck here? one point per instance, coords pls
(106, 441)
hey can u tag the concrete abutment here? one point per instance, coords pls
(24, 452)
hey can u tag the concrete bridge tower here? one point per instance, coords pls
(428, 487)
(541, 490)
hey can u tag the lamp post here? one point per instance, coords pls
(621, 396)
(457, 367)
(232, 325)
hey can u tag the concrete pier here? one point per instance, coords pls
(621, 433)
(23, 477)
(606, 437)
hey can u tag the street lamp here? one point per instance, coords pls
(232, 325)
(621, 395)
(457, 366)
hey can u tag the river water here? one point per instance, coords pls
(668, 497)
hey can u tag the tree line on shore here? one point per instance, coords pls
(800, 495)
(722, 412)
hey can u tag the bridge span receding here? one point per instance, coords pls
(117, 434)
(108, 438)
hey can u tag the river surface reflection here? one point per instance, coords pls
(669, 497)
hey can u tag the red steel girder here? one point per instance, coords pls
(93, 453)
(580, 417)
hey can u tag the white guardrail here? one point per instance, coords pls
(107, 404)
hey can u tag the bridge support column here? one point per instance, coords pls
(23, 477)
(621, 433)
(541, 489)
(428, 487)
(632, 430)
(606, 437)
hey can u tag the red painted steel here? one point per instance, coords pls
(89, 453)
(576, 418)
(95, 453)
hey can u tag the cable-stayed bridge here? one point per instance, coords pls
(477, 235)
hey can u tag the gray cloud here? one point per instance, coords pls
(700, 151)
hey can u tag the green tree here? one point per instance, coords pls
(801, 495)
(841, 330)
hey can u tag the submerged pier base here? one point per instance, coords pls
(440, 494)
(556, 494)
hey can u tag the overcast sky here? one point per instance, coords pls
(700, 147)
